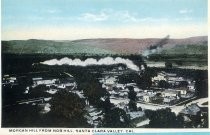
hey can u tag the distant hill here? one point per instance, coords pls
(49, 47)
(95, 46)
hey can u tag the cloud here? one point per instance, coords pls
(109, 14)
(125, 16)
(185, 11)
(93, 17)
(122, 16)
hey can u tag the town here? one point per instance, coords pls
(123, 89)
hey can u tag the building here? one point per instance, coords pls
(147, 98)
(170, 93)
(120, 86)
(61, 86)
(191, 110)
(183, 91)
(9, 80)
(110, 80)
(160, 76)
(12, 79)
(123, 94)
(171, 78)
(41, 81)
(169, 100)
(191, 87)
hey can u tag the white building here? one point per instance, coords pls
(183, 91)
(12, 79)
(191, 87)
(61, 86)
(110, 81)
(147, 98)
(169, 100)
(40, 81)
(160, 76)
(170, 93)
(120, 86)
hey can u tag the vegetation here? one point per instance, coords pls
(62, 113)
(49, 47)
(116, 118)
(132, 96)
(186, 49)
(67, 110)
(164, 118)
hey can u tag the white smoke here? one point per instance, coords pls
(91, 61)
(152, 51)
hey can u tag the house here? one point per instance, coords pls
(183, 91)
(191, 87)
(160, 76)
(70, 84)
(169, 100)
(123, 95)
(113, 92)
(120, 86)
(170, 93)
(12, 79)
(191, 110)
(136, 89)
(110, 80)
(40, 81)
(147, 98)
(122, 105)
(171, 78)
(61, 86)
(9, 80)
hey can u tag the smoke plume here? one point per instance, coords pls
(91, 61)
(156, 48)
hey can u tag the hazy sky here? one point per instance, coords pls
(76, 19)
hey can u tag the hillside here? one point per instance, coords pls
(94, 46)
(49, 47)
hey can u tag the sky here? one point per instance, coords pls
(81, 19)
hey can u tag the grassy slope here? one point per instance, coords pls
(186, 49)
(194, 45)
(49, 47)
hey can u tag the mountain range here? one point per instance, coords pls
(99, 46)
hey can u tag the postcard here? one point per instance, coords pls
(104, 67)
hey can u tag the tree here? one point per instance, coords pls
(168, 64)
(132, 105)
(164, 118)
(21, 116)
(145, 82)
(163, 84)
(132, 94)
(94, 92)
(201, 86)
(67, 110)
(116, 118)
(107, 104)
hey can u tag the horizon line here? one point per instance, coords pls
(101, 38)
